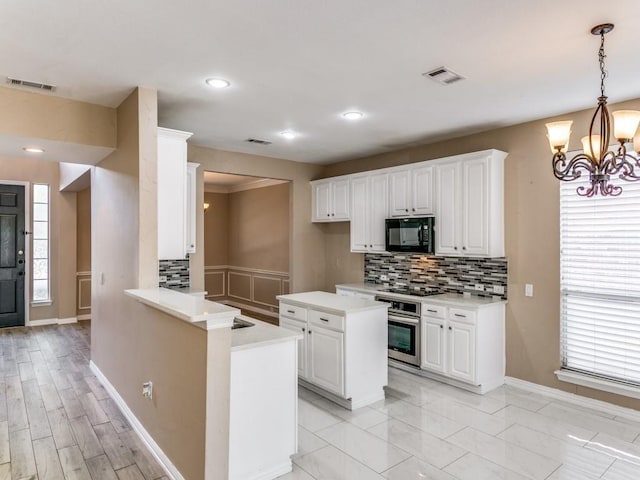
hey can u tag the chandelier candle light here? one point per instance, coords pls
(595, 159)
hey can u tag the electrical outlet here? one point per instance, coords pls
(384, 277)
(528, 290)
(498, 289)
(147, 390)
(479, 287)
(163, 278)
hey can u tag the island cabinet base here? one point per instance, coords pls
(343, 352)
(348, 403)
(263, 411)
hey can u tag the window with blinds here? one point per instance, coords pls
(600, 282)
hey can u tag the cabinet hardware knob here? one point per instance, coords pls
(328, 214)
(370, 246)
(441, 326)
(455, 248)
(333, 214)
(303, 329)
(406, 209)
(309, 332)
(449, 328)
(464, 248)
(413, 209)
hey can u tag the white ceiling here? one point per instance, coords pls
(299, 64)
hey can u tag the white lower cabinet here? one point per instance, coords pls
(464, 344)
(343, 354)
(326, 359)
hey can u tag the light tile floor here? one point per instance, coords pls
(57, 422)
(425, 430)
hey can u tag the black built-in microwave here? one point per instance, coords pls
(410, 235)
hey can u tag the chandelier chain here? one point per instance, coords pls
(601, 57)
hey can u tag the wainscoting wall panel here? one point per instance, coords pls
(83, 294)
(246, 287)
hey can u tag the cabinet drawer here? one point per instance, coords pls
(462, 315)
(299, 313)
(328, 320)
(437, 311)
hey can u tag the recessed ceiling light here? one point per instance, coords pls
(353, 115)
(289, 134)
(217, 82)
(33, 149)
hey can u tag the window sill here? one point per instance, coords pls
(42, 303)
(597, 383)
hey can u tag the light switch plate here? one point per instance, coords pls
(384, 277)
(479, 287)
(498, 289)
(528, 290)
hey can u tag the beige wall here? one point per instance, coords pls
(216, 225)
(62, 231)
(27, 114)
(532, 240)
(259, 228)
(306, 257)
(132, 343)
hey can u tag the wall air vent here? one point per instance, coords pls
(26, 83)
(257, 141)
(443, 75)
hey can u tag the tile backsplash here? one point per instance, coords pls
(173, 273)
(448, 274)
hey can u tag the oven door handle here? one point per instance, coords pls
(399, 319)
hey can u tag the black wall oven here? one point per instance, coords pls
(403, 330)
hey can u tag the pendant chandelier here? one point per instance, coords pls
(596, 159)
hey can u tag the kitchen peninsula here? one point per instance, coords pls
(262, 378)
(343, 355)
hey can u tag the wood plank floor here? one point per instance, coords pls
(56, 420)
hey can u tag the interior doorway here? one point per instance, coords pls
(247, 232)
(13, 257)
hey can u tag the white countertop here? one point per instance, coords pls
(261, 334)
(332, 302)
(449, 299)
(192, 309)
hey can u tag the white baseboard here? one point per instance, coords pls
(64, 321)
(606, 407)
(84, 317)
(44, 321)
(170, 469)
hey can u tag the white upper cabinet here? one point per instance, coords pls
(330, 200)
(470, 206)
(411, 192)
(368, 211)
(172, 194)
(191, 205)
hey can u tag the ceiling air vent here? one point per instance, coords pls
(258, 142)
(443, 75)
(26, 83)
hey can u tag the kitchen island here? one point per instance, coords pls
(343, 353)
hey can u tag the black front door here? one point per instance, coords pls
(12, 255)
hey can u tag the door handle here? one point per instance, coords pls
(20, 274)
(20, 252)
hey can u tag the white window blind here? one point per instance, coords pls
(600, 282)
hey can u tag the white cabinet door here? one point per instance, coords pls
(433, 344)
(298, 327)
(462, 351)
(326, 359)
(447, 215)
(378, 205)
(322, 202)
(475, 207)
(422, 191)
(399, 193)
(191, 207)
(340, 199)
(359, 214)
(172, 181)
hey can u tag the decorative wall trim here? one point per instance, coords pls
(82, 306)
(247, 269)
(64, 321)
(84, 317)
(264, 277)
(229, 274)
(83, 274)
(222, 273)
(167, 465)
(606, 407)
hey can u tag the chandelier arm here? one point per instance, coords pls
(572, 169)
